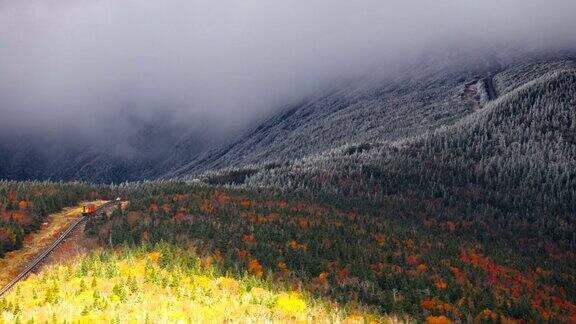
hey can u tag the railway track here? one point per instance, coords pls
(42, 256)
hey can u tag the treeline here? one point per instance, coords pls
(511, 167)
(503, 179)
(24, 206)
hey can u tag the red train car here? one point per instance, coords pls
(88, 209)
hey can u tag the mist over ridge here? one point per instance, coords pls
(225, 64)
(114, 90)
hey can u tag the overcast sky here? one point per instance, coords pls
(227, 62)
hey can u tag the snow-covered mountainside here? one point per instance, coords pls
(419, 98)
(423, 98)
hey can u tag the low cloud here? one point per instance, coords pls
(67, 63)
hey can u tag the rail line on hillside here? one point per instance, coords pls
(42, 256)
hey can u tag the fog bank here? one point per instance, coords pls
(66, 63)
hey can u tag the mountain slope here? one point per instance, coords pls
(437, 91)
(511, 164)
(424, 97)
(144, 149)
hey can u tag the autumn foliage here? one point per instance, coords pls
(422, 269)
(163, 284)
(25, 205)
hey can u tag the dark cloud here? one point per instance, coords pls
(64, 63)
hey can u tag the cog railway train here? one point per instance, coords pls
(88, 209)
